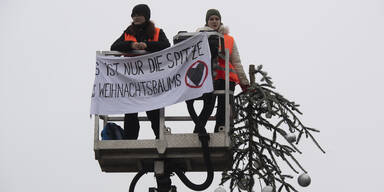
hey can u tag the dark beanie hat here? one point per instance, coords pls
(142, 10)
(211, 12)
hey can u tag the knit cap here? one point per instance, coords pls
(211, 12)
(142, 10)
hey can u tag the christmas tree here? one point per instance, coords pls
(266, 132)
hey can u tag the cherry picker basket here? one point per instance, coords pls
(181, 150)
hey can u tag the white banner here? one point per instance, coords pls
(152, 81)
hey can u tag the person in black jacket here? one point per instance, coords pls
(141, 35)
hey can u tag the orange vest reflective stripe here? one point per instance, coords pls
(128, 37)
(220, 72)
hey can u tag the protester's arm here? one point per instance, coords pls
(121, 45)
(236, 62)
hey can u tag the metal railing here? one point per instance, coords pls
(163, 118)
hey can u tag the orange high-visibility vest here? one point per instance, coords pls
(128, 37)
(220, 71)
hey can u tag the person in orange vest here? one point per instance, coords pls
(141, 35)
(236, 71)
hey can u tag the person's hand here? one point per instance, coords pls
(142, 45)
(135, 45)
(244, 87)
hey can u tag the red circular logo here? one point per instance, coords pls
(196, 75)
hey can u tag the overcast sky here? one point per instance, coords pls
(325, 55)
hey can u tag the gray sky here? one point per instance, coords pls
(325, 55)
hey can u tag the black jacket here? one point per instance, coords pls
(125, 46)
